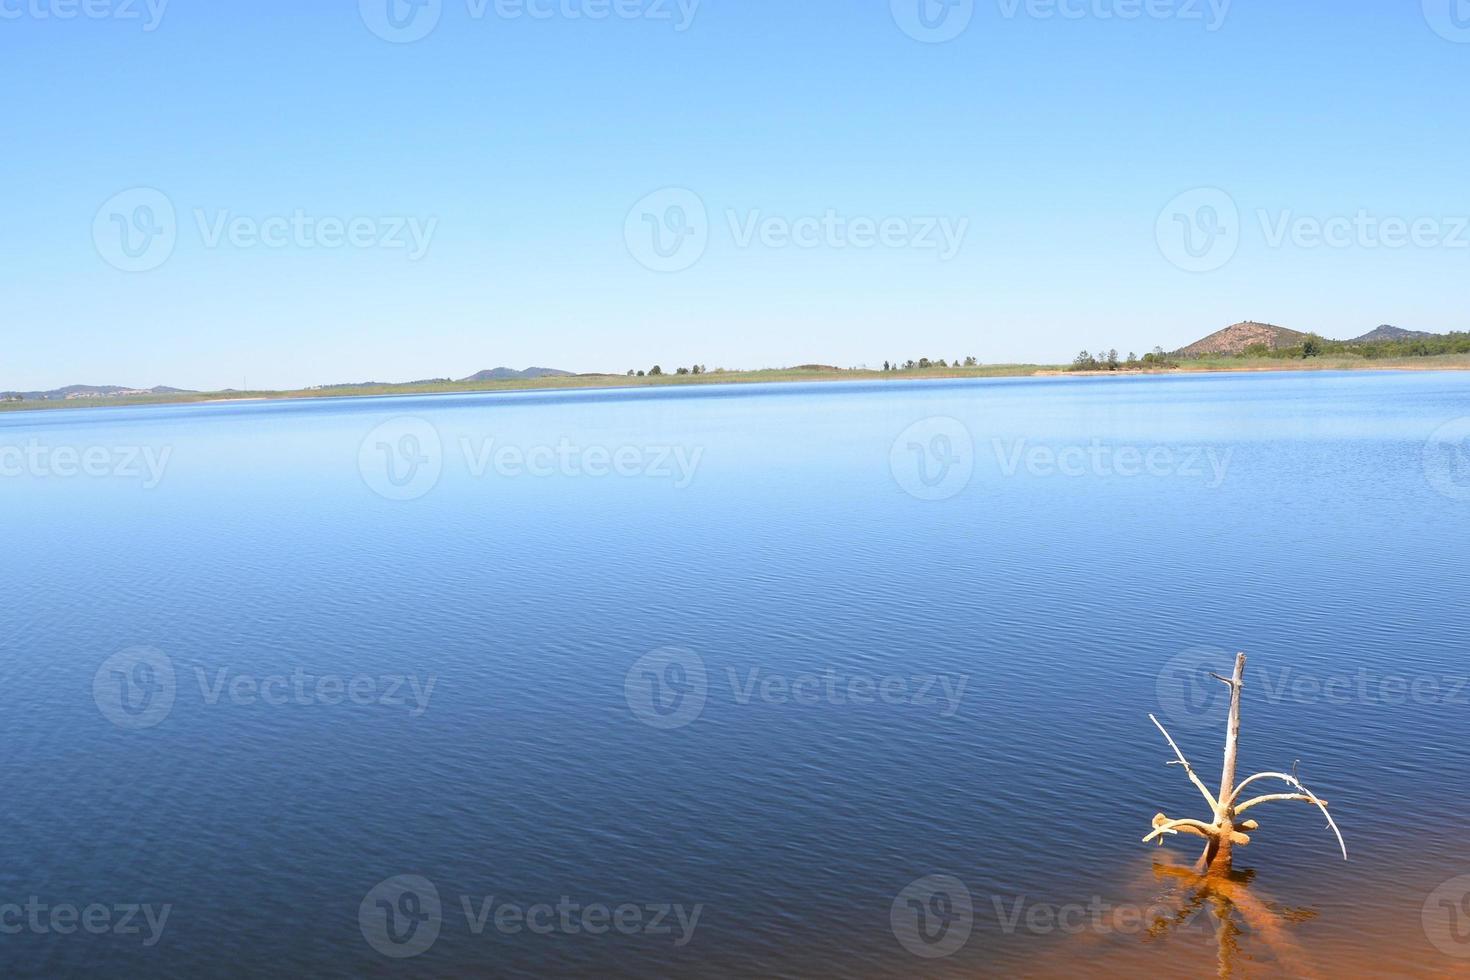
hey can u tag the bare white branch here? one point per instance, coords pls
(1276, 796)
(1306, 794)
(1209, 797)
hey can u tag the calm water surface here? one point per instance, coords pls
(796, 651)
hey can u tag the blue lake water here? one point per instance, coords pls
(808, 680)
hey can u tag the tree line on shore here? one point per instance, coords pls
(1315, 346)
(924, 364)
(658, 372)
(1111, 361)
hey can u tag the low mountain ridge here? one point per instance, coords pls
(88, 391)
(74, 392)
(511, 374)
(1238, 337)
(1388, 332)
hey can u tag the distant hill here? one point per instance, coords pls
(75, 392)
(510, 374)
(89, 391)
(1237, 338)
(1389, 333)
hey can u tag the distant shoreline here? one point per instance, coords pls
(1450, 362)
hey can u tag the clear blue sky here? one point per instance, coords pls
(1059, 139)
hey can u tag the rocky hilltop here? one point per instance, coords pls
(1387, 332)
(1235, 339)
(511, 374)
